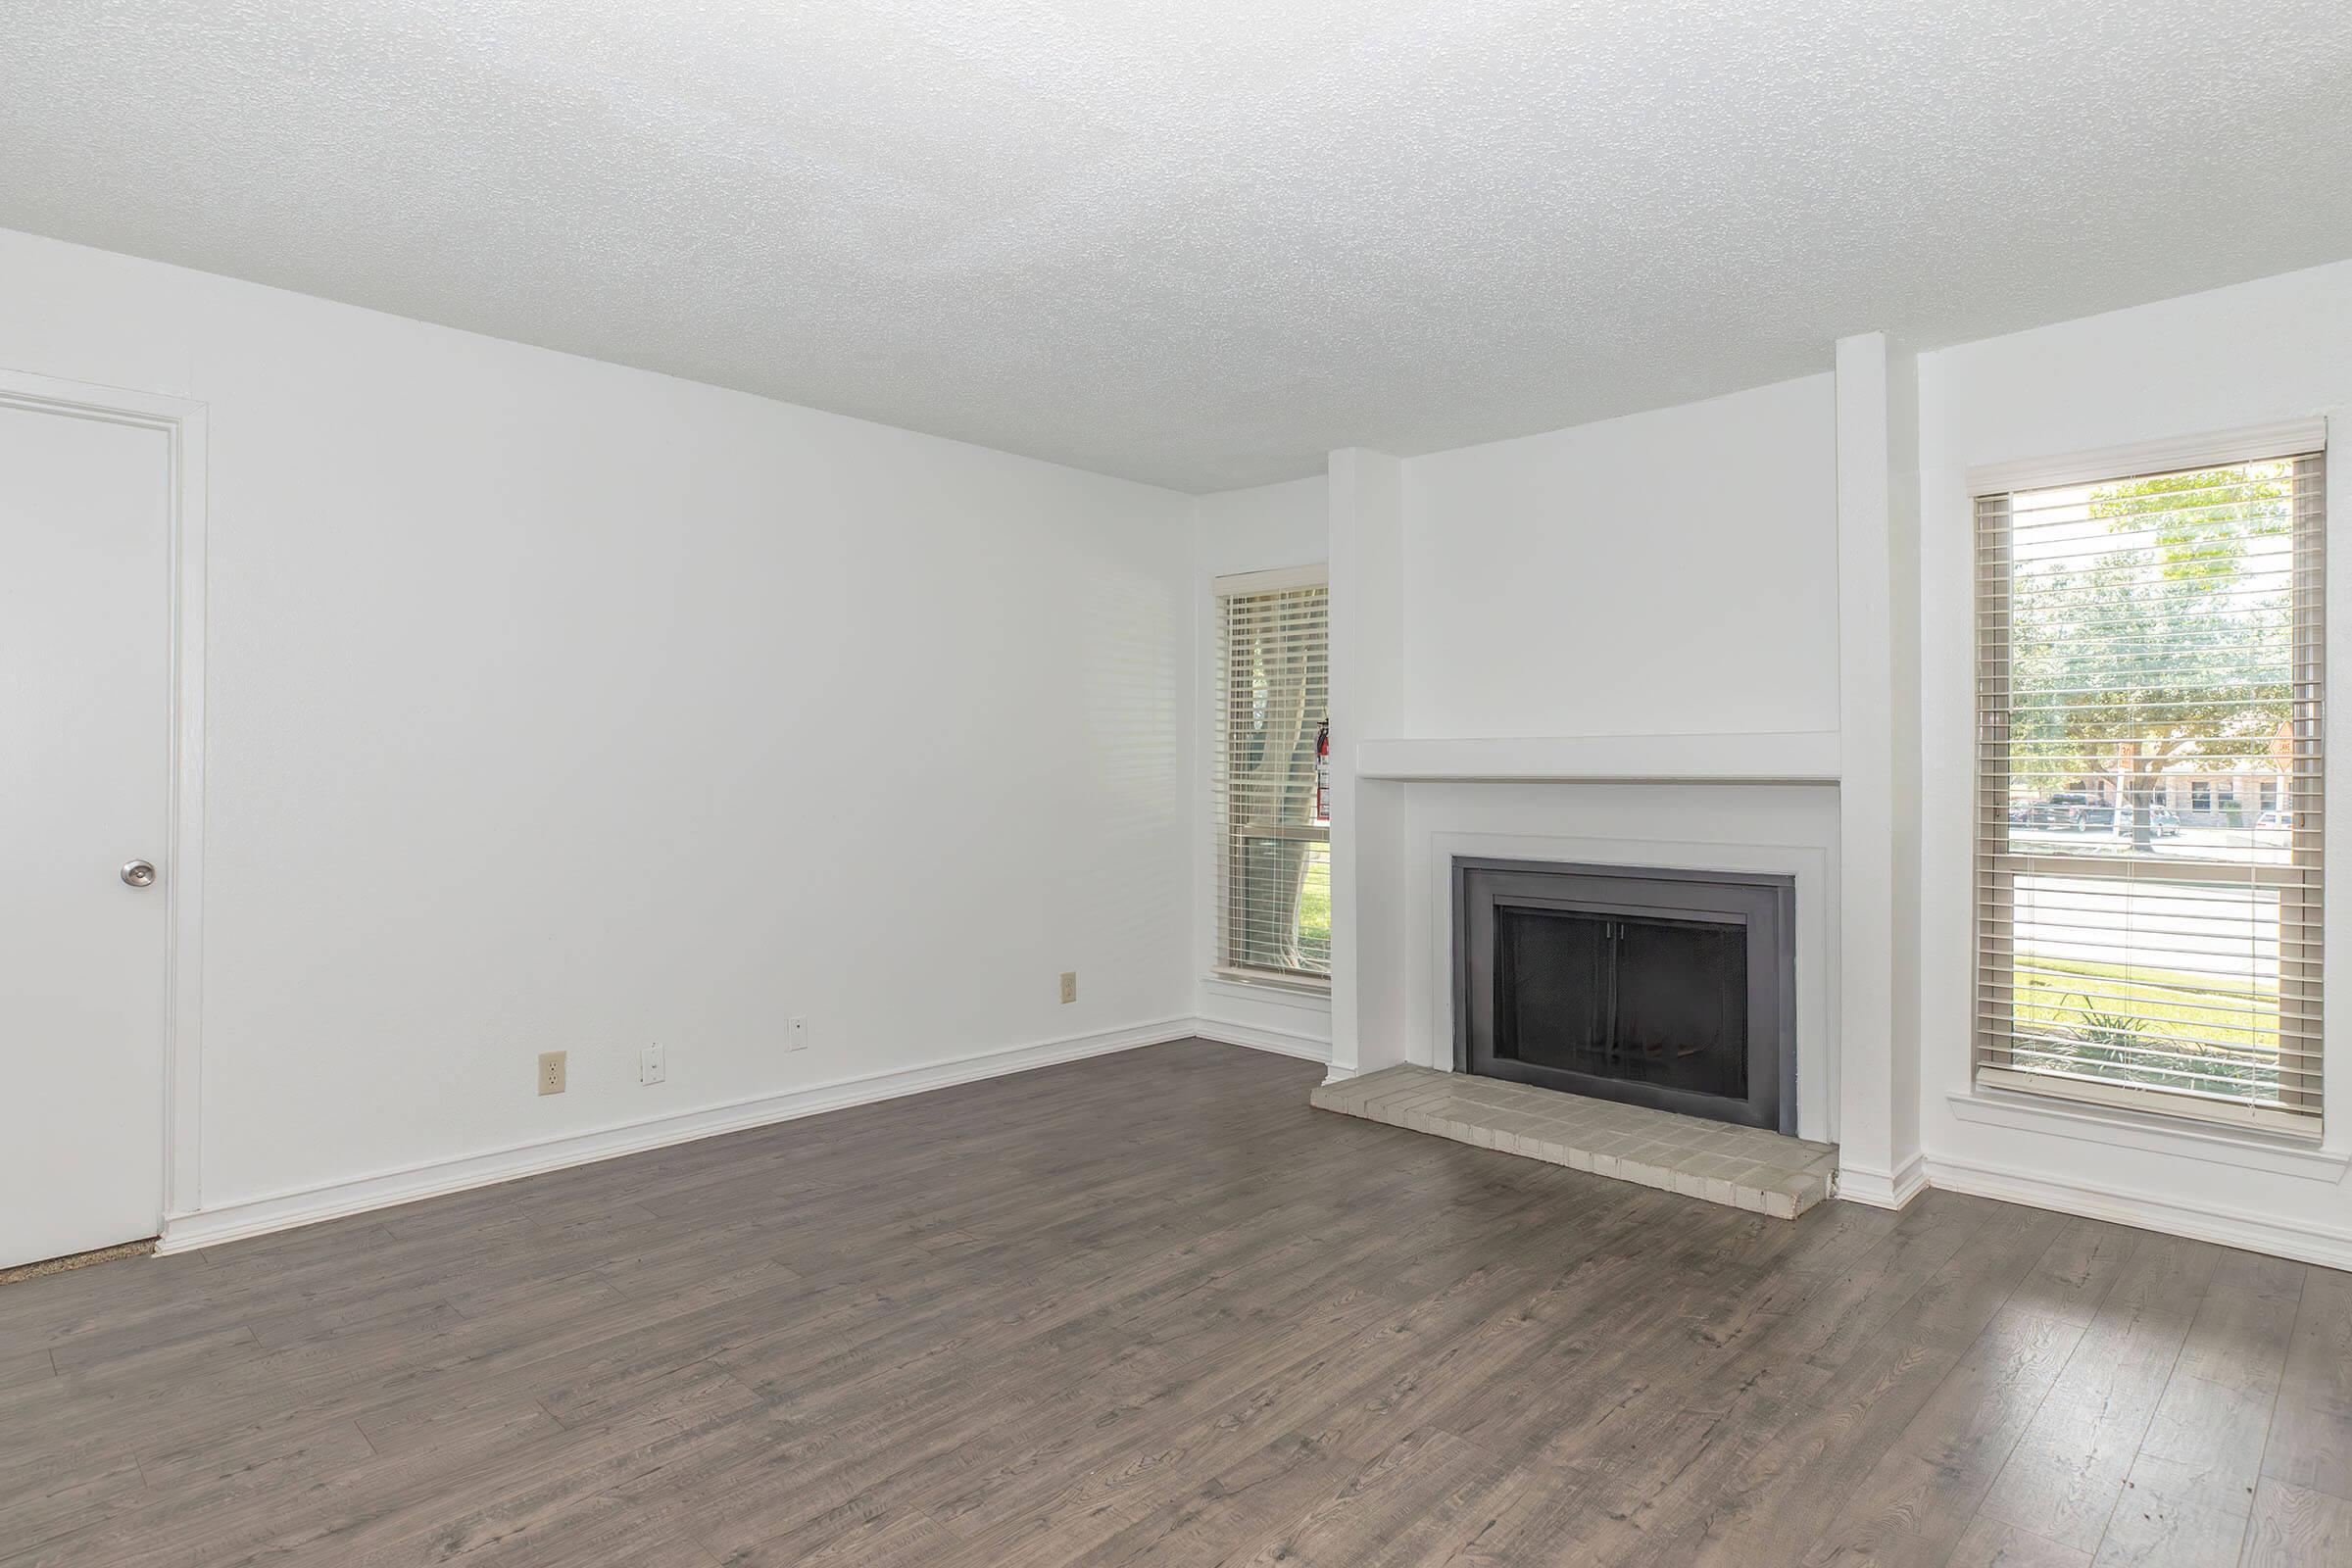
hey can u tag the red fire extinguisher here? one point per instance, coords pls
(1323, 772)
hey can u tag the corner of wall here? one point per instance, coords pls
(1369, 1023)
(1877, 1125)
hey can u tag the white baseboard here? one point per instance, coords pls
(334, 1200)
(2327, 1245)
(2331, 1246)
(1258, 1037)
(1883, 1189)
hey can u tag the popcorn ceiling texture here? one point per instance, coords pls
(1197, 243)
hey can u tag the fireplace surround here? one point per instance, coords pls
(1661, 987)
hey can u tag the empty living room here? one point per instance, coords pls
(1115, 784)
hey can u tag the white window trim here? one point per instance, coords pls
(2150, 1118)
(2209, 1110)
(2152, 1132)
(1273, 985)
(2250, 443)
(1287, 988)
(1207, 941)
(1273, 582)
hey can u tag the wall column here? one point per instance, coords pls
(1877, 533)
(1368, 1023)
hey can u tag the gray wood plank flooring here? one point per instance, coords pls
(1153, 1309)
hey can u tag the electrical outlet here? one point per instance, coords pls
(650, 1069)
(795, 1035)
(1069, 985)
(550, 1072)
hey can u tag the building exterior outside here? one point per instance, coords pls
(2191, 792)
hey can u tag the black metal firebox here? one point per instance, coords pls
(1664, 988)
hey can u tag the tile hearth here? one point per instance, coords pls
(1740, 1167)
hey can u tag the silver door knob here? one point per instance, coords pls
(138, 873)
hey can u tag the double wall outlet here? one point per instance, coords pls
(550, 1072)
(1069, 985)
(651, 1067)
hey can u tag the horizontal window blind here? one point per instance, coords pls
(2149, 857)
(1274, 850)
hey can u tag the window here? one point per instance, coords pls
(1274, 842)
(2133, 631)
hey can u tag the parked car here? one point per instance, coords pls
(2062, 810)
(2275, 820)
(2086, 813)
(2163, 822)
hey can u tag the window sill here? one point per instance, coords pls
(2241, 1149)
(1285, 992)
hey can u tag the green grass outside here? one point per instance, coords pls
(1314, 910)
(2072, 1014)
(2061, 990)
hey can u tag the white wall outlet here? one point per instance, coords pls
(1069, 985)
(650, 1069)
(796, 1034)
(550, 1072)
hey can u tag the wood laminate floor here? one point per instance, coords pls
(1151, 1308)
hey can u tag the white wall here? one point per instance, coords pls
(555, 704)
(1234, 532)
(1676, 572)
(558, 704)
(1673, 572)
(2275, 349)
(1670, 572)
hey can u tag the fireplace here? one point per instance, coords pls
(1670, 989)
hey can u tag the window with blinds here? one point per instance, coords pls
(2148, 867)
(1274, 843)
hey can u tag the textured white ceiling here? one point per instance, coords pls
(1197, 241)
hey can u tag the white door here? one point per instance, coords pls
(85, 661)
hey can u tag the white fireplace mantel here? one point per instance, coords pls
(1806, 757)
(1843, 783)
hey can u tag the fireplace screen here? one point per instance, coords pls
(1671, 989)
(1635, 997)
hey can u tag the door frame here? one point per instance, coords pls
(183, 421)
